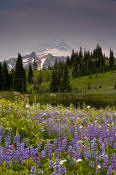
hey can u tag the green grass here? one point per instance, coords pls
(103, 84)
(105, 80)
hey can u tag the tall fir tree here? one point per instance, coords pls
(54, 82)
(40, 78)
(111, 60)
(80, 55)
(65, 81)
(19, 76)
(75, 69)
(72, 57)
(5, 76)
(30, 75)
(34, 65)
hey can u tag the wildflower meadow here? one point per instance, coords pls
(42, 139)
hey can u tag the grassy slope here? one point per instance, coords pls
(106, 81)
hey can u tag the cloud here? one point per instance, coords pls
(25, 23)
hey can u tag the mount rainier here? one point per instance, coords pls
(44, 56)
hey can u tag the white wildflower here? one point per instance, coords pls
(80, 127)
(99, 166)
(80, 141)
(27, 106)
(78, 160)
(62, 162)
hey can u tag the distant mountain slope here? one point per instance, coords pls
(44, 56)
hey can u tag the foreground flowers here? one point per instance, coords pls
(56, 140)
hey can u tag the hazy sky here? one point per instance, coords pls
(25, 24)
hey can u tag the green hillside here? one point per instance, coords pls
(102, 84)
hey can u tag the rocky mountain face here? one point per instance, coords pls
(44, 56)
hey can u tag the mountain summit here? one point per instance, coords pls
(45, 55)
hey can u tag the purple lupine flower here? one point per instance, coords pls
(92, 133)
(8, 139)
(109, 172)
(42, 129)
(76, 133)
(70, 151)
(51, 164)
(1, 134)
(33, 170)
(93, 144)
(50, 153)
(43, 154)
(59, 145)
(114, 146)
(38, 119)
(48, 146)
(64, 144)
(103, 148)
(92, 164)
(106, 162)
(59, 169)
(41, 172)
(48, 115)
(22, 146)
(56, 153)
(55, 144)
(72, 161)
(27, 154)
(110, 141)
(17, 138)
(113, 161)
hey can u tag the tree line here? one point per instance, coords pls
(78, 64)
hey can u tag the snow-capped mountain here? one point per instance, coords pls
(44, 56)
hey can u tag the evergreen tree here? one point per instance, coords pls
(99, 61)
(5, 77)
(72, 57)
(86, 62)
(111, 60)
(30, 74)
(34, 65)
(75, 69)
(40, 78)
(19, 76)
(65, 81)
(56, 64)
(68, 61)
(12, 74)
(54, 82)
(80, 55)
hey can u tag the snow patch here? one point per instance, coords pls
(42, 62)
(55, 52)
(25, 60)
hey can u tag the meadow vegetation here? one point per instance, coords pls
(42, 139)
